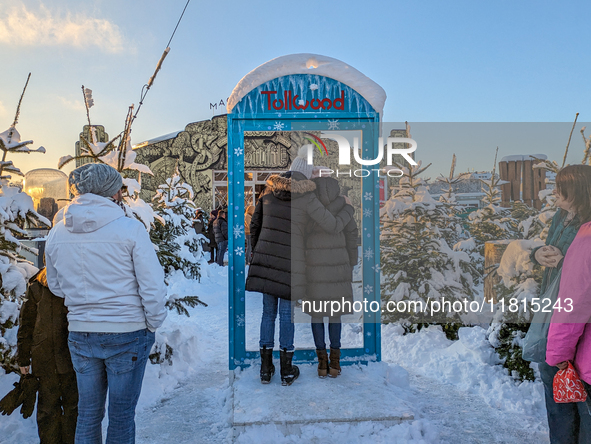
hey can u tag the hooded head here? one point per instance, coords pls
(96, 178)
(327, 189)
(300, 163)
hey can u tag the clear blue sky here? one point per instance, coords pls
(460, 61)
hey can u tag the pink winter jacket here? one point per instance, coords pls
(569, 337)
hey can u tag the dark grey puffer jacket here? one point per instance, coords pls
(277, 232)
(330, 257)
(220, 229)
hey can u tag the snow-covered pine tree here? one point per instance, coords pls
(520, 280)
(492, 222)
(16, 209)
(451, 227)
(179, 247)
(417, 262)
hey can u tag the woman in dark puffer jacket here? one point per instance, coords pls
(330, 258)
(278, 268)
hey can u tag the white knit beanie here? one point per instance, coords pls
(300, 163)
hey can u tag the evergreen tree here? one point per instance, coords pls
(16, 210)
(451, 227)
(417, 262)
(179, 247)
(492, 222)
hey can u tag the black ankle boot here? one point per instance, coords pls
(267, 367)
(289, 372)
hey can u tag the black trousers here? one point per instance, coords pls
(57, 408)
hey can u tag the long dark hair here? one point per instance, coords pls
(574, 185)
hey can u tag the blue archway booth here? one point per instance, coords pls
(291, 93)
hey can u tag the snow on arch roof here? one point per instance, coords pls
(309, 64)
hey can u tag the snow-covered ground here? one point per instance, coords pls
(454, 391)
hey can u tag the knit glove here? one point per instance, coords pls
(12, 400)
(29, 385)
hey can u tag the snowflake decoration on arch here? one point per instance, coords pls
(240, 321)
(368, 254)
(238, 231)
(278, 126)
(367, 196)
(376, 268)
(367, 212)
(368, 289)
(239, 251)
(333, 124)
(238, 151)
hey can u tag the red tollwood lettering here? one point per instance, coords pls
(290, 102)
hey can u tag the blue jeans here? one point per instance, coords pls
(334, 333)
(286, 327)
(114, 361)
(222, 247)
(569, 423)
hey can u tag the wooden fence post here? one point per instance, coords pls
(493, 252)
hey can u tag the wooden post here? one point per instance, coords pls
(505, 188)
(493, 252)
(515, 178)
(527, 196)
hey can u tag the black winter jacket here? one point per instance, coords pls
(277, 233)
(210, 232)
(330, 257)
(220, 228)
(43, 333)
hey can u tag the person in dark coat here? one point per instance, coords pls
(220, 229)
(199, 223)
(200, 227)
(278, 266)
(330, 258)
(211, 236)
(42, 340)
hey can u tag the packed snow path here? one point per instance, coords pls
(194, 413)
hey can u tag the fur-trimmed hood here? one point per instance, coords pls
(289, 183)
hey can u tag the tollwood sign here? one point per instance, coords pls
(292, 101)
(304, 93)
